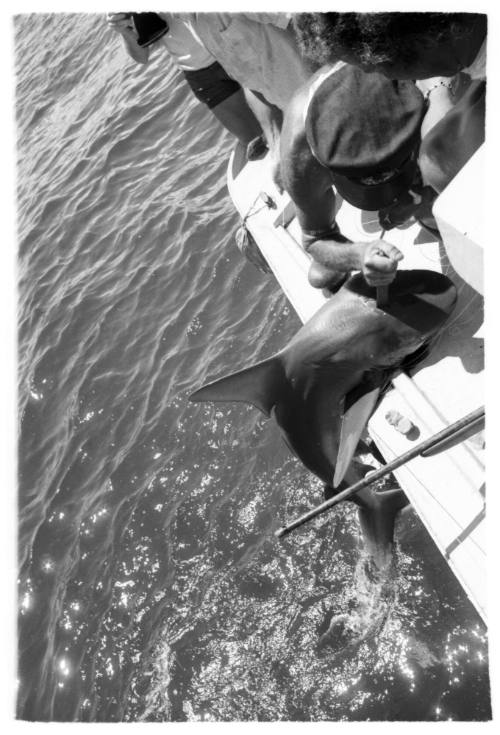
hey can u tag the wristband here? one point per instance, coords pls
(448, 85)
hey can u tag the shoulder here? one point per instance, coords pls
(295, 125)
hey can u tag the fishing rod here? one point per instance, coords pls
(421, 449)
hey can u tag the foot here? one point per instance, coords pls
(257, 148)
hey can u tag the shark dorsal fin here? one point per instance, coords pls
(353, 423)
(260, 385)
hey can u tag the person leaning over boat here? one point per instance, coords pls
(443, 53)
(260, 51)
(207, 79)
(360, 133)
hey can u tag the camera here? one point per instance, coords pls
(150, 27)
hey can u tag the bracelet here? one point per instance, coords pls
(448, 85)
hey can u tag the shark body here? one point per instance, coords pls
(323, 386)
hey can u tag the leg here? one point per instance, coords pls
(237, 117)
(226, 99)
(270, 118)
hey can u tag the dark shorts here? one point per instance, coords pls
(211, 85)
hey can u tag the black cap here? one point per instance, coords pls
(365, 129)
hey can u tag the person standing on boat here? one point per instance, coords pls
(361, 134)
(207, 79)
(260, 51)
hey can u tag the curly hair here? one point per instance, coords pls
(376, 38)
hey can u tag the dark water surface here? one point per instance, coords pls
(151, 586)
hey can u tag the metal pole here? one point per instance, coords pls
(447, 433)
(382, 296)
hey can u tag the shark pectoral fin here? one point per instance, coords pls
(260, 385)
(353, 424)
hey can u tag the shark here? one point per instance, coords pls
(323, 386)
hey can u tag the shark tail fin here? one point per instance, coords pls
(260, 385)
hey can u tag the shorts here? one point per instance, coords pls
(211, 85)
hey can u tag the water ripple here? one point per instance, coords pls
(151, 585)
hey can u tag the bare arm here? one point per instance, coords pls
(310, 187)
(306, 180)
(123, 24)
(439, 92)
